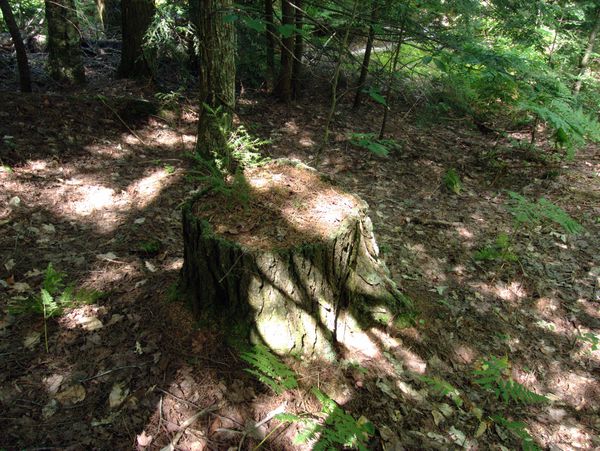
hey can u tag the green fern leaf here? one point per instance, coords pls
(269, 370)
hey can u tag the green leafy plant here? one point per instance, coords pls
(452, 181)
(494, 375)
(526, 211)
(591, 338)
(269, 369)
(443, 388)
(500, 250)
(54, 297)
(517, 428)
(380, 147)
(338, 430)
(150, 247)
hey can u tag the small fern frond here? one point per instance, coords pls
(527, 212)
(494, 376)
(443, 388)
(269, 369)
(517, 428)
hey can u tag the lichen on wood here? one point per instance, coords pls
(311, 279)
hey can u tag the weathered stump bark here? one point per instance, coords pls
(299, 264)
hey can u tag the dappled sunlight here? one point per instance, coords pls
(576, 389)
(465, 354)
(511, 292)
(145, 190)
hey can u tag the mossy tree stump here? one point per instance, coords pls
(297, 262)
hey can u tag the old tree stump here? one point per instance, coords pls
(295, 265)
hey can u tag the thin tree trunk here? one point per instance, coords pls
(389, 84)
(64, 49)
(109, 13)
(216, 78)
(15, 34)
(283, 90)
(364, 70)
(336, 75)
(298, 51)
(585, 59)
(270, 39)
(136, 16)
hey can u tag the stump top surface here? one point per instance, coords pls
(287, 206)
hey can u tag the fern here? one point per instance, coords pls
(452, 181)
(494, 376)
(592, 339)
(369, 141)
(269, 370)
(526, 211)
(517, 428)
(339, 430)
(443, 388)
(500, 250)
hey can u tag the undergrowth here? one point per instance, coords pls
(54, 297)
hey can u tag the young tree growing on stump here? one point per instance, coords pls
(136, 17)
(216, 76)
(15, 34)
(64, 51)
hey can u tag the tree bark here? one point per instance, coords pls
(585, 59)
(109, 13)
(64, 51)
(298, 51)
(136, 17)
(303, 298)
(216, 77)
(15, 34)
(364, 69)
(270, 40)
(283, 90)
(392, 74)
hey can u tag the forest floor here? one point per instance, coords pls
(96, 190)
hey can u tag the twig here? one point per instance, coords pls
(186, 424)
(177, 397)
(104, 373)
(123, 122)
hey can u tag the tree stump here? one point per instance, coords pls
(295, 265)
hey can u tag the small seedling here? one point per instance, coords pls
(150, 248)
(591, 338)
(169, 169)
(452, 181)
(500, 250)
(54, 298)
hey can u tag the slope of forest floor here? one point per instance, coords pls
(95, 189)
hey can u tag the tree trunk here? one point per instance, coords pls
(15, 34)
(585, 59)
(298, 51)
(136, 17)
(299, 296)
(388, 93)
(109, 13)
(270, 39)
(283, 90)
(364, 69)
(216, 37)
(343, 46)
(64, 51)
